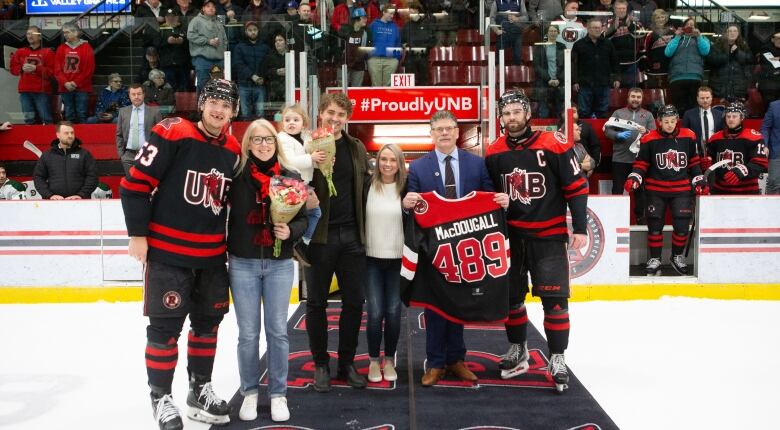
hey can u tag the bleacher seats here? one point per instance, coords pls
(518, 76)
(445, 75)
(470, 75)
(186, 102)
(653, 96)
(618, 98)
(469, 37)
(465, 55)
(441, 55)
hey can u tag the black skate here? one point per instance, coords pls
(165, 412)
(679, 265)
(515, 361)
(557, 369)
(204, 404)
(653, 267)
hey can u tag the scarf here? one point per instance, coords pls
(261, 173)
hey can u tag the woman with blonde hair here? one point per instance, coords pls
(256, 276)
(384, 245)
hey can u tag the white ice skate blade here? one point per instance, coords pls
(559, 388)
(519, 370)
(205, 417)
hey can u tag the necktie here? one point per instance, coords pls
(705, 118)
(450, 190)
(134, 143)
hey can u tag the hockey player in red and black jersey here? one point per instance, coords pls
(174, 204)
(668, 165)
(744, 147)
(540, 172)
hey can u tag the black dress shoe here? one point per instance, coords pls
(321, 379)
(353, 378)
(301, 253)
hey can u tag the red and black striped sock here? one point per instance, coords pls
(678, 243)
(517, 325)
(161, 362)
(655, 241)
(201, 349)
(556, 326)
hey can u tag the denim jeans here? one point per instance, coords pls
(252, 101)
(313, 216)
(75, 103)
(383, 304)
(35, 103)
(253, 280)
(202, 68)
(593, 100)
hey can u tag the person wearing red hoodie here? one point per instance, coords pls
(74, 65)
(34, 66)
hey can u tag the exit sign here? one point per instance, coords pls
(402, 80)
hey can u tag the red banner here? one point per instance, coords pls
(411, 104)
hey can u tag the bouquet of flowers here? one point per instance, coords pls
(288, 195)
(323, 140)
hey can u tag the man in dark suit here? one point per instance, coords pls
(444, 343)
(134, 126)
(702, 115)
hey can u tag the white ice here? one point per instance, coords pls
(673, 363)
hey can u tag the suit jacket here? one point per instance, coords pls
(151, 118)
(692, 120)
(424, 174)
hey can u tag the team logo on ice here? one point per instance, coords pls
(172, 300)
(581, 261)
(207, 189)
(672, 159)
(524, 186)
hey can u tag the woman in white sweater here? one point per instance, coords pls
(384, 245)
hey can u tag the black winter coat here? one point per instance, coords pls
(730, 71)
(65, 173)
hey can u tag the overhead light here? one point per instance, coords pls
(679, 17)
(759, 16)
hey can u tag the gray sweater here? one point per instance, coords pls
(200, 31)
(620, 152)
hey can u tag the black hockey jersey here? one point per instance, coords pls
(175, 194)
(541, 175)
(746, 149)
(456, 258)
(668, 164)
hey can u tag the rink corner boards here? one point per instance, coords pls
(580, 293)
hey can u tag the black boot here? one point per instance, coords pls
(204, 404)
(165, 412)
(321, 379)
(353, 378)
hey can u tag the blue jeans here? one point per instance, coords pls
(383, 300)
(35, 103)
(252, 101)
(75, 103)
(313, 216)
(253, 280)
(593, 100)
(444, 342)
(202, 68)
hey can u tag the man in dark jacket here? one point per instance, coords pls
(621, 31)
(248, 59)
(173, 50)
(418, 33)
(66, 171)
(595, 62)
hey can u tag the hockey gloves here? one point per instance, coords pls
(623, 135)
(700, 186)
(736, 174)
(706, 163)
(633, 182)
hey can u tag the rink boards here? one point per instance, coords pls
(61, 251)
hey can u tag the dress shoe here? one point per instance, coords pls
(459, 369)
(432, 376)
(353, 378)
(321, 379)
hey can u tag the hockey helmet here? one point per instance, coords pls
(736, 107)
(513, 96)
(221, 89)
(667, 110)
(358, 12)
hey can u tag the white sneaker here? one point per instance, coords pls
(279, 411)
(248, 410)
(389, 370)
(374, 372)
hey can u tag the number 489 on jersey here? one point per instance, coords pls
(471, 259)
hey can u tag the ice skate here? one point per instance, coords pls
(653, 267)
(515, 361)
(204, 404)
(557, 369)
(679, 265)
(166, 413)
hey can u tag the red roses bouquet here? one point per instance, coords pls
(323, 140)
(288, 195)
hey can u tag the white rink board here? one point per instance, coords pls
(117, 264)
(739, 239)
(604, 259)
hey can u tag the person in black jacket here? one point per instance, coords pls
(594, 62)
(275, 70)
(257, 276)
(418, 32)
(174, 52)
(248, 58)
(66, 171)
(548, 68)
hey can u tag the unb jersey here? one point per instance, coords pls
(456, 258)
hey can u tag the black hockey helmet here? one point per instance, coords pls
(220, 89)
(513, 96)
(667, 110)
(736, 107)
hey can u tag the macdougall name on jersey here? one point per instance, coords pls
(207, 189)
(467, 226)
(672, 159)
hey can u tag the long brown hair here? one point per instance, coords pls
(723, 42)
(400, 175)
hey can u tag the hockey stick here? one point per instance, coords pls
(706, 175)
(32, 148)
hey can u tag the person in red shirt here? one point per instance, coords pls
(34, 65)
(74, 65)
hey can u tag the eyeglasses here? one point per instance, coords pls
(259, 140)
(443, 129)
